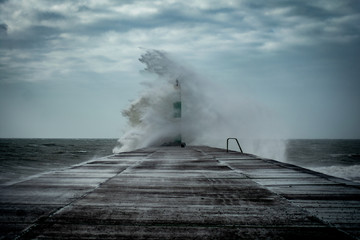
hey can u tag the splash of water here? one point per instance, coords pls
(210, 113)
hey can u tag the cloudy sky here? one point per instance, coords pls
(68, 68)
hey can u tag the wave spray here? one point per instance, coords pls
(179, 105)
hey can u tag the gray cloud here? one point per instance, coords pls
(50, 16)
(245, 26)
(3, 29)
(268, 21)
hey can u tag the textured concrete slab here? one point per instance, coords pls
(181, 193)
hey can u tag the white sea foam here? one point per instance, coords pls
(347, 172)
(210, 112)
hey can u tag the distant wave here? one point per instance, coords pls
(355, 156)
(49, 144)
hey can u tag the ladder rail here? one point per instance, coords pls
(227, 144)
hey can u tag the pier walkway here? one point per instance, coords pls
(181, 193)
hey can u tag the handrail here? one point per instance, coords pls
(227, 144)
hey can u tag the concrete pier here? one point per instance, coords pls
(181, 193)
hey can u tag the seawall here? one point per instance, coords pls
(195, 192)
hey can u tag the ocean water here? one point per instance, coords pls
(340, 158)
(23, 158)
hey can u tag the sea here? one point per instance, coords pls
(21, 159)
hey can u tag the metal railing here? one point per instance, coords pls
(227, 144)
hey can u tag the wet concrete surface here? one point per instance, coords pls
(181, 193)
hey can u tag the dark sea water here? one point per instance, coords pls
(339, 158)
(22, 158)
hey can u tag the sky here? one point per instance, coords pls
(69, 68)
